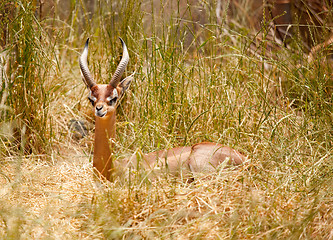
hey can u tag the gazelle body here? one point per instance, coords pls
(201, 157)
(187, 161)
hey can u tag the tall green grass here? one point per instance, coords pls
(26, 88)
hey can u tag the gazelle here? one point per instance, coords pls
(200, 157)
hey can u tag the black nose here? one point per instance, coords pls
(99, 107)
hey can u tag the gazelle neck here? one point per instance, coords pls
(104, 99)
(105, 130)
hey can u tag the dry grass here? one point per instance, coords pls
(60, 200)
(42, 199)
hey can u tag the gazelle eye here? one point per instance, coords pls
(112, 102)
(92, 100)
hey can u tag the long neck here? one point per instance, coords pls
(105, 130)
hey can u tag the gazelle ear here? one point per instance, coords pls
(125, 83)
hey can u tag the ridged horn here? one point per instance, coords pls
(121, 66)
(86, 75)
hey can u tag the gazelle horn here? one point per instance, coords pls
(87, 78)
(121, 67)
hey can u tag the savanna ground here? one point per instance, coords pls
(205, 71)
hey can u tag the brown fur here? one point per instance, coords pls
(202, 157)
(166, 160)
(102, 91)
(105, 131)
(208, 156)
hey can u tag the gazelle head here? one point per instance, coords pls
(105, 97)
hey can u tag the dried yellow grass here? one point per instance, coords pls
(61, 200)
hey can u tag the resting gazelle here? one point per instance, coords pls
(200, 157)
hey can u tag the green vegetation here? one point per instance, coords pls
(199, 77)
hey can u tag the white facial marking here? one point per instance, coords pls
(100, 114)
(115, 93)
(92, 97)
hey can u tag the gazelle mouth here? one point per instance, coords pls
(99, 114)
